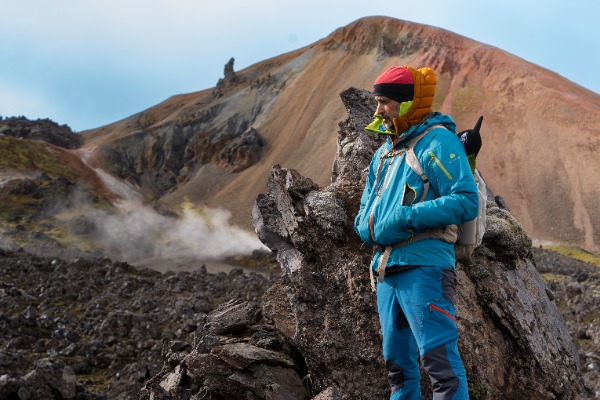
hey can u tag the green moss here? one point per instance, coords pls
(477, 271)
(577, 253)
(95, 383)
(477, 391)
(550, 277)
(16, 206)
(18, 153)
(463, 100)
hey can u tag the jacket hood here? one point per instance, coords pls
(434, 118)
(425, 81)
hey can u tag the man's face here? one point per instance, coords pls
(388, 109)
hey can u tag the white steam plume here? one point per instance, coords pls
(139, 232)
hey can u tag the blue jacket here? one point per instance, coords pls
(384, 220)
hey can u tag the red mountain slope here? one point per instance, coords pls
(541, 132)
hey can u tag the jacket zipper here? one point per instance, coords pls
(392, 167)
(441, 310)
(371, 218)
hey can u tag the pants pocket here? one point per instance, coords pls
(439, 326)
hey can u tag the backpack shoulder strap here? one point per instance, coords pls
(414, 163)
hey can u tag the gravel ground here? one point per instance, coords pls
(106, 321)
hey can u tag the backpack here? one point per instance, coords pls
(466, 236)
(470, 233)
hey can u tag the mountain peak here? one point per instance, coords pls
(217, 146)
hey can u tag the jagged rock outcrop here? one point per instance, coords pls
(42, 129)
(229, 78)
(514, 341)
(241, 152)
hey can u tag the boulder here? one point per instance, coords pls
(513, 339)
(232, 316)
(253, 363)
(50, 379)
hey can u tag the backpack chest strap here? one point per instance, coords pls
(414, 163)
(448, 234)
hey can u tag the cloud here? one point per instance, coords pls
(122, 57)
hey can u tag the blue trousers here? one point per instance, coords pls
(417, 317)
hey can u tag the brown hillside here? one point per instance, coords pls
(540, 132)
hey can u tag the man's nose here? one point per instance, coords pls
(379, 109)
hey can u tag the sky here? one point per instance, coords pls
(88, 63)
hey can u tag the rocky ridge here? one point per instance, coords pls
(42, 129)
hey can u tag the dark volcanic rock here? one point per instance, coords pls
(41, 129)
(253, 361)
(575, 287)
(231, 317)
(92, 329)
(242, 151)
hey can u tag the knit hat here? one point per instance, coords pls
(396, 83)
(405, 84)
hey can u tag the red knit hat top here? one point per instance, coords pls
(396, 83)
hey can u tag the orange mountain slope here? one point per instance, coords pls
(540, 135)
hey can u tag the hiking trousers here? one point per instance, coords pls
(417, 317)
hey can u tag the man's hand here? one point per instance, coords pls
(392, 229)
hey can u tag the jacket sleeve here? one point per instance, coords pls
(361, 223)
(454, 199)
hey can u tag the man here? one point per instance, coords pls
(411, 219)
